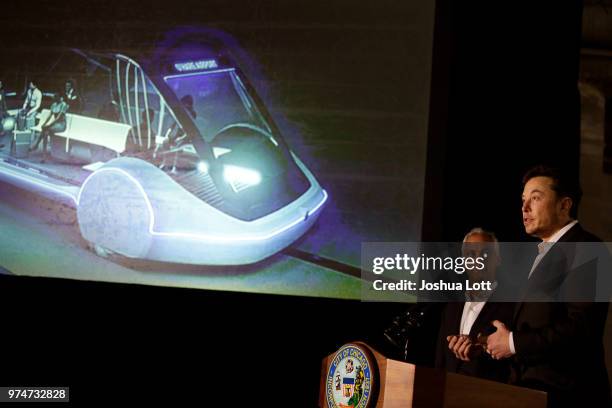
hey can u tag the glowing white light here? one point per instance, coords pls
(195, 65)
(203, 167)
(241, 178)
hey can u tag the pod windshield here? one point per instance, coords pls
(255, 174)
(215, 100)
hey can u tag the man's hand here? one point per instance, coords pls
(461, 346)
(498, 345)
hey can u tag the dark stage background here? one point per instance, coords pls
(503, 97)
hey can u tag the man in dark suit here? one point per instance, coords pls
(556, 345)
(462, 323)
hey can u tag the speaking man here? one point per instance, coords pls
(555, 346)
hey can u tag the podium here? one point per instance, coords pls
(357, 376)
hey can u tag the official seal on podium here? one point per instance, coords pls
(350, 377)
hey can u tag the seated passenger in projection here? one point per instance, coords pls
(3, 108)
(5, 127)
(176, 134)
(31, 105)
(146, 119)
(54, 123)
(72, 97)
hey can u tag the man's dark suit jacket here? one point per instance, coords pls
(483, 365)
(559, 345)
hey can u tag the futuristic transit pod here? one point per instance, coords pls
(191, 170)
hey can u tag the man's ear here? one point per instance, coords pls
(566, 204)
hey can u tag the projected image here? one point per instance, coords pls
(184, 161)
(199, 178)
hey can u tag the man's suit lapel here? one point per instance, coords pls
(482, 316)
(571, 235)
(484, 319)
(453, 322)
(457, 312)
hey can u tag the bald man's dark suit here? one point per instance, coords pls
(482, 366)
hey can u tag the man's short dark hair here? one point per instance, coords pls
(564, 184)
